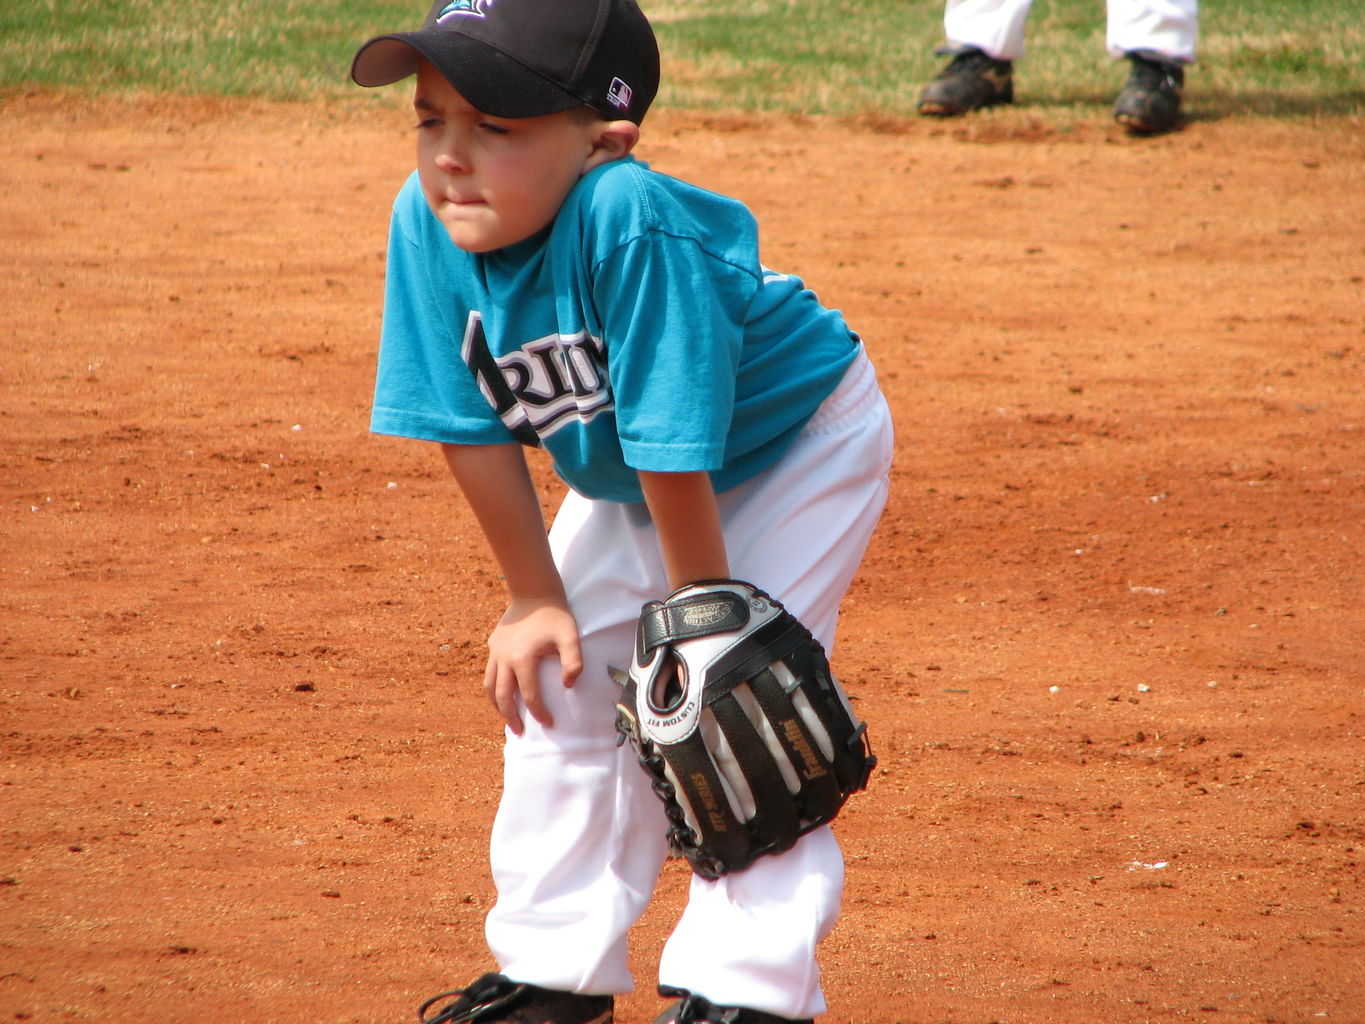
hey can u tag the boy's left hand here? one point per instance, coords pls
(531, 630)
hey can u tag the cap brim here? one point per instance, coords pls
(383, 61)
(486, 77)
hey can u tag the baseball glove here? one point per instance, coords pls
(749, 739)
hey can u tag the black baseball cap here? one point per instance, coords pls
(524, 58)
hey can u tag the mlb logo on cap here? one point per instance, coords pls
(618, 94)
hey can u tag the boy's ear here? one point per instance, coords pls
(612, 140)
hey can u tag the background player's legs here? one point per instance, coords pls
(985, 37)
(1158, 37)
(799, 532)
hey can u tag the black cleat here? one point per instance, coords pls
(1150, 101)
(496, 999)
(693, 1009)
(972, 80)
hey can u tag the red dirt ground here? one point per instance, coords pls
(1109, 637)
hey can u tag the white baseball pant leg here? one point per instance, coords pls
(996, 27)
(579, 836)
(1166, 27)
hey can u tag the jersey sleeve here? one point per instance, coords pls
(673, 321)
(423, 388)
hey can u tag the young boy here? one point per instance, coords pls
(710, 418)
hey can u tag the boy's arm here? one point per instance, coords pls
(538, 622)
(683, 507)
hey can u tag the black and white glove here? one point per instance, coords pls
(749, 739)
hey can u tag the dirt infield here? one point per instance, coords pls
(1110, 636)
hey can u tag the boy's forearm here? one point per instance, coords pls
(499, 489)
(683, 507)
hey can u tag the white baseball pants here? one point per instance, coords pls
(1167, 27)
(578, 840)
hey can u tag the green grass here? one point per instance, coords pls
(1278, 57)
(271, 48)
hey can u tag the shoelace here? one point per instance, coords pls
(971, 60)
(696, 1010)
(1155, 77)
(490, 992)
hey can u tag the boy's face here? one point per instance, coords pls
(495, 181)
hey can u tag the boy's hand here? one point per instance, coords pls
(530, 630)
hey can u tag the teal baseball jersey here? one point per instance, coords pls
(639, 331)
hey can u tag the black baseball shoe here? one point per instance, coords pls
(971, 80)
(496, 999)
(1150, 101)
(693, 1009)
